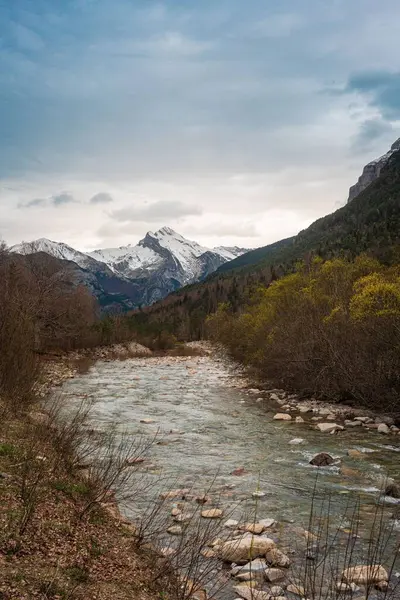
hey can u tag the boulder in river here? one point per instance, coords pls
(392, 490)
(329, 427)
(365, 574)
(257, 565)
(245, 548)
(282, 417)
(323, 459)
(256, 528)
(383, 428)
(353, 453)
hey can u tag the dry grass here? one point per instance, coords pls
(45, 550)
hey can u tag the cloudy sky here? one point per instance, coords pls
(232, 121)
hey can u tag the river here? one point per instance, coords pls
(211, 434)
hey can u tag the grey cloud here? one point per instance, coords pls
(371, 131)
(62, 198)
(32, 203)
(157, 211)
(382, 89)
(101, 198)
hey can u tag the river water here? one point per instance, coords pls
(206, 430)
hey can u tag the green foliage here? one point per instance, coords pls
(72, 489)
(7, 450)
(331, 328)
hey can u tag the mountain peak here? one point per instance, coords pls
(167, 231)
(371, 171)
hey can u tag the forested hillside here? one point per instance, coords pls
(369, 224)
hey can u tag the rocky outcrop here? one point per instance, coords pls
(371, 172)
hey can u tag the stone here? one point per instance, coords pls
(299, 420)
(175, 530)
(239, 471)
(297, 589)
(272, 575)
(323, 459)
(147, 421)
(382, 586)
(282, 417)
(276, 590)
(255, 528)
(257, 565)
(296, 441)
(328, 427)
(249, 576)
(353, 453)
(344, 588)
(392, 490)
(365, 574)
(212, 513)
(276, 558)
(245, 548)
(183, 517)
(174, 494)
(258, 494)
(352, 423)
(175, 512)
(363, 419)
(267, 522)
(383, 428)
(305, 409)
(208, 553)
(202, 499)
(248, 594)
(231, 524)
(247, 583)
(167, 551)
(135, 460)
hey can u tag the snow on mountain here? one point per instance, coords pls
(160, 263)
(56, 249)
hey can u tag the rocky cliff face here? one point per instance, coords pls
(371, 172)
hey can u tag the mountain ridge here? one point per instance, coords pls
(160, 263)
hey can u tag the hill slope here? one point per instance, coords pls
(369, 223)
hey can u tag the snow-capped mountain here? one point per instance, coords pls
(154, 248)
(160, 263)
(371, 171)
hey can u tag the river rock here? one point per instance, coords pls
(245, 548)
(282, 417)
(231, 524)
(147, 421)
(183, 517)
(248, 594)
(353, 453)
(299, 420)
(255, 528)
(296, 441)
(349, 423)
(365, 574)
(272, 575)
(258, 494)
(212, 513)
(208, 553)
(175, 530)
(382, 586)
(383, 428)
(267, 522)
(297, 589)
(257, 565)
(305, 409)
(323, 459)
(276, 590)
(202, 499)
(276, 558)
(329, 427)
(180, 493)
(392, 490)
(167, 551)
(346, 588)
